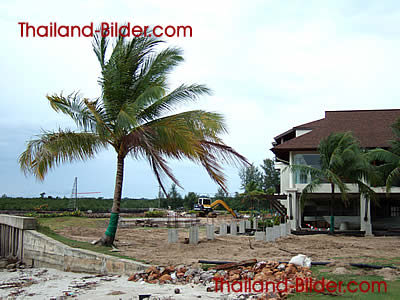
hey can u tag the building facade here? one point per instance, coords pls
(372, 128)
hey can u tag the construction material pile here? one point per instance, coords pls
(248, 271)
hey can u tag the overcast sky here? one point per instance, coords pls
(271, 64)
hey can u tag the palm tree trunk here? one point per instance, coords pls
(109, 235)
(331, 201)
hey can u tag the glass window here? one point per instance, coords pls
(312, 160)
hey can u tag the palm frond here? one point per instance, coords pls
(99, 44)
(168, 103)
(74, 106)
(53, 148)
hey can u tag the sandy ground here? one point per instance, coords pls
(39, 284)
(150, 245)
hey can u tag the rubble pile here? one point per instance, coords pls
(263, 271)
(11, 264)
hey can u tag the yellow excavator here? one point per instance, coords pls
(204, 207)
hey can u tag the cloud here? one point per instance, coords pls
(272, 65)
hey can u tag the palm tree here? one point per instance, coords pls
(252, 191)
(133, 116)
(389, 159)
(341, 161)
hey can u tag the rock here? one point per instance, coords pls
(173, 276)
(341, 271)
(169, 270)
(206, 276)
(177, 291)
(190, 272)
(11, 266)
(250, 275)
(234, 277)
(165, 277)
(131, 278)
(3, 263)
(151, 269)
(281, 267)
(114, 293)
(388, 273)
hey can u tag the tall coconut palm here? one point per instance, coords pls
(134, 117)
(342, 162)
(389, 159)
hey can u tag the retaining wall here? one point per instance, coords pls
(42, 251)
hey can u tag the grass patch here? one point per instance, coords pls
(393, 287)
(79, 244)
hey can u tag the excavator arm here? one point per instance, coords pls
(217, 202)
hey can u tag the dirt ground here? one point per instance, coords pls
(150, 245)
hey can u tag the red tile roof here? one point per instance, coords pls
(370, 127)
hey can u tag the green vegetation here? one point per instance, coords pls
(104, 205)
(76, 213)
(155, 214)
(84, 204)
(388, 161)
(78, 244)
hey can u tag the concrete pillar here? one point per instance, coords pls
(283, 229)
(242, 226)
(295, 206)
(247, 224)
(194, 235)
(260, 236)
(223, 229)
(172, 235)
(255, 223)
(288, 231)
(233, 228)
(365, 215)
(269, 232)
(291, 173)
(276, 232)
(210, 231)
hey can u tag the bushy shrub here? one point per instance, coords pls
(154, 214)
(76, 213)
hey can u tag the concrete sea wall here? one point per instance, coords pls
(42, 251)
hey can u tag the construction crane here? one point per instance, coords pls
(204, 207)
(73, 201)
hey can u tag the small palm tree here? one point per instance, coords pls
(389, 159)
(342, 162)
(133, 116)
(251, 192)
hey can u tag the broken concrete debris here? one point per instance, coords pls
(264, 271)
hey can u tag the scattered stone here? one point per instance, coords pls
(388, 274)
(3, 263)
(165, 277)
(11, 266)
(177, 291)
(341, 271)
(116, 293)
(281, 267)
